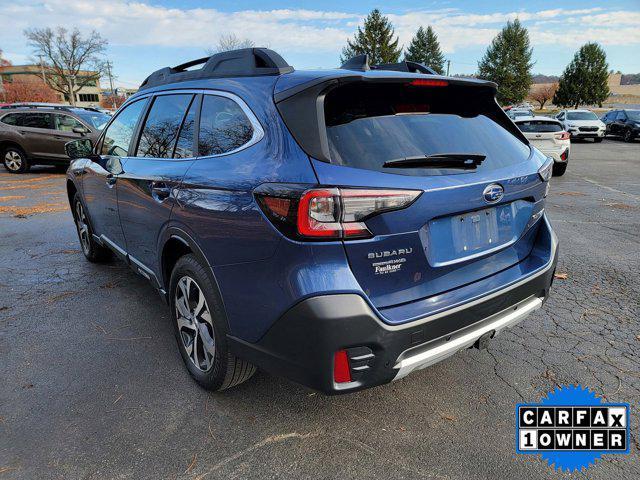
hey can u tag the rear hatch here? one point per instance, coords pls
(473, 216)
(544, 134)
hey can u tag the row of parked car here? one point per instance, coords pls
(553, 135)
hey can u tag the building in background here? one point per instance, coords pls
(88, 96)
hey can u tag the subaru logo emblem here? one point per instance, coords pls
(493, 193)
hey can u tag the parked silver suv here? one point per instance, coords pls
(36, 134)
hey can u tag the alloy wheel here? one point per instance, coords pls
(13, 160)
(194, 323)
(627, 136)
(83, 228)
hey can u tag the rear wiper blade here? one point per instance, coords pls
(466, 161)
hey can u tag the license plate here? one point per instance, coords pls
(456, 238)
(475, 231)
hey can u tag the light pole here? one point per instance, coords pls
(113, 97)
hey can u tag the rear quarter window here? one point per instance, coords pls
(12, 119)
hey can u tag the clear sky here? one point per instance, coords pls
(149, 34)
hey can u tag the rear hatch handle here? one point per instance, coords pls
(466, 161)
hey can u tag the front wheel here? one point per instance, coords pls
(559, 169)
(628, 136)
(93, 251)
(15, 160)
(200, 328)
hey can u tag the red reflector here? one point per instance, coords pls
(563, 136)
(341, 370)
(423, 82)
(279, 206)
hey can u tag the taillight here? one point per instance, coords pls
(328, 213)
(562, 136)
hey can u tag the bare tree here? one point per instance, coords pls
(70, 61)
(230, 41)
(543, 94)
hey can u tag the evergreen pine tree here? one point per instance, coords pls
(507, 62)
(376, 40)
(425, 48)
(584, 80)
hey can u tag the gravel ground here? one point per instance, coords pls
(92, 384)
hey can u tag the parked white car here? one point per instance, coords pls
(548, 136)
(582, 124)
(519, 112)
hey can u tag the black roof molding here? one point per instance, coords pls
(360, 63)
(406, 66)
(246, 62)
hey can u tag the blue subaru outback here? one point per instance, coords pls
(341, 228)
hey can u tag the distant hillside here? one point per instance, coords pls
(630, 79)
(539, 78)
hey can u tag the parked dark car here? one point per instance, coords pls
(341, 228)
(36, 134)
(623, 123)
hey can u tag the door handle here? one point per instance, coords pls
(160, 190)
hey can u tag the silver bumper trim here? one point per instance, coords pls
(443, 347)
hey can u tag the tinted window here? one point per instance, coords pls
(223, 126)
(160, 131)
(370, 125)
(621, 116)
(539, 126)
(634, 115)
(119, 134)
(581, 116)
(37, 120)
(66, 123)
(12, 119)
(184, 147)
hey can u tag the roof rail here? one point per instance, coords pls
(361, 63)
(53, 106)
(245, 62)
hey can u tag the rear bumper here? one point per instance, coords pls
(302, 343)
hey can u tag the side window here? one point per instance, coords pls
(561, 116)
(184, 147)
(13, 119)
(120, 132)
(160, 131)
(621, 116)
(37, 120)
(223, 126)
(65, 123)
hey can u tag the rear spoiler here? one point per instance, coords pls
(302, 106)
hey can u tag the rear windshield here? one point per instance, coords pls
(581, 116)
(368, 125)
(539, 126)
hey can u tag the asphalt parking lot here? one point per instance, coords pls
(92, 384)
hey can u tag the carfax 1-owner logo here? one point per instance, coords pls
(571, 428)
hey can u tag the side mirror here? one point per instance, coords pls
(81, 130)
(81, 148)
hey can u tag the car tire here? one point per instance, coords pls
(559, 169)
(92, 250)
(597, 140)
(200, 328)
(628, 136)
(15, 160)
